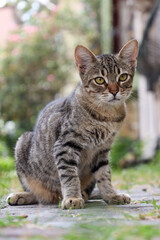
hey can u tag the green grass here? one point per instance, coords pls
(8, 183)
(12, 220)
(141, 174)
(90, 232)
(6, 164)
(8, 177)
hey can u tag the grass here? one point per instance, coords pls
(6, 164)
(8, 183)
(12, 221)
(155, 214)
(90, 232)
(141, 174)
(8, 177)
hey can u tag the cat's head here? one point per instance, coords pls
(107, 78)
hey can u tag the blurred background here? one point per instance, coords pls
(37, 42)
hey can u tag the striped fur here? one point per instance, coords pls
(68, 151)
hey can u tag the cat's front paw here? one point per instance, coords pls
(72, 203)
(119, 199)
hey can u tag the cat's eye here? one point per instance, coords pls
(123, 77)
(99, 80)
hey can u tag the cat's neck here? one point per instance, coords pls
(105, 111)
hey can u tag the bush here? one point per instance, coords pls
(29, 70)
(126, 151)
(38, 61)
(7, 164)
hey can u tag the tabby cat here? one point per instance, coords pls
(67, 153)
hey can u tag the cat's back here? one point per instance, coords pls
(51, 109)
(48, 124)
(53, 112)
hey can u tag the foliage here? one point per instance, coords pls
(6, 164)
(27, 68)
(123, 146)
(8, 134)
(38, 61)
(156, 207)
(3, 149)
(157, 157)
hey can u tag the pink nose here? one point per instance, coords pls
(113, 88)
(114, 91)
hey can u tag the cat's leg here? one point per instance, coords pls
(67, 155)
(21, 157)
(88, 190)
(103, 178)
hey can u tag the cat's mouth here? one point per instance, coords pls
(114, 100)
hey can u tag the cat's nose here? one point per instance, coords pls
(114, 92)
(113, 88)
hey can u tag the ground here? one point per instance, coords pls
(138, 220)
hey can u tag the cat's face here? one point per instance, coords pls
(107, 78)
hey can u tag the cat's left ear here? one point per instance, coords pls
(84, 58)
(129, 52)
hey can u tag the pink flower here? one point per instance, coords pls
(31, 29)
(50, 78)
(55, 8)
(15, 52)
(14, 38)
(46, 36)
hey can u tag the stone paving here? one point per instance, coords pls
(50, 222)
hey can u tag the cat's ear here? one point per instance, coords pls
(84, 58)
(129, 52)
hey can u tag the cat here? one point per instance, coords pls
(68, 151)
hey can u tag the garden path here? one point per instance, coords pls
(50, 222)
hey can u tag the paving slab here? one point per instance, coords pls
(50, 222)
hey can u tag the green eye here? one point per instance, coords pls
(99, 80)
(123, 77)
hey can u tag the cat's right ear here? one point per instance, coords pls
(129, 52)
(84, 58)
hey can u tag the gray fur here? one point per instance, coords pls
(68, 151)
